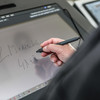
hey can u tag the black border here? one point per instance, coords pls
(84, 5)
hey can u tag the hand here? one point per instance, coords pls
(59, 53)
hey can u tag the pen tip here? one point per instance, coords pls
(39, 51)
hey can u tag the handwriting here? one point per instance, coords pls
(27, 45)
(2, 58)
(23, 41)
(27, 64)
(15, 48)
(23, 64)
(12, 49)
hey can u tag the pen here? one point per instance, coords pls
(61, 43)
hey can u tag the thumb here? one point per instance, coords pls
(53, 48)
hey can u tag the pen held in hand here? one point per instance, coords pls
(61, 43)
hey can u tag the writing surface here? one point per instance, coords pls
(20, 67)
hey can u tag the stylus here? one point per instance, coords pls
(61, 43)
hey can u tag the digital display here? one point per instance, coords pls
(21, 68)
(94, 9)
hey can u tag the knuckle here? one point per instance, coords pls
(60, 50)
(49, 46)
(51, 39)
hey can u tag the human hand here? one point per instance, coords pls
(59, 53)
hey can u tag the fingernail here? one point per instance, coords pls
(59, 63)
(52, 60)
(55, 64)
(41, 45)
(45, 48)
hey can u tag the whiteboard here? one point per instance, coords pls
(21, 68)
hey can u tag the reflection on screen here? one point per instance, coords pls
(94, 8)
(20, 67)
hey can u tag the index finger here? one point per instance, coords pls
(51, 41)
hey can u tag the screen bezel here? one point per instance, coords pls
(61, 13)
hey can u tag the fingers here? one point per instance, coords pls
(44, 54)
(51, 41)
(53, 58)
(50, 49)
(56, 60)
(53, 48)
(58, 63)
(59, 53)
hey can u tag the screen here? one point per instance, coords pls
(22, 70)
(94, 10)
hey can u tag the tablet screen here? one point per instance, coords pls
(94, 9)
(22, 70)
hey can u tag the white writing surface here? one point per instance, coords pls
(20, 67)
